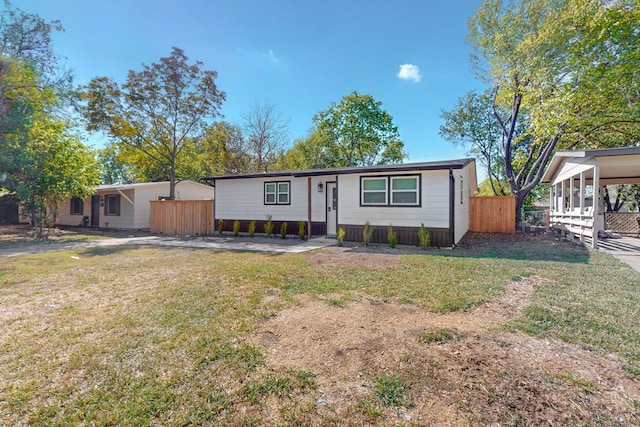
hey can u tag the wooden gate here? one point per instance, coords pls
(495, 214)
(182, 217)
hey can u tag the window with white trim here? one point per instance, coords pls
(404, 190)
(400, 190)
(77, 206)
(374, 191)
(277, 193)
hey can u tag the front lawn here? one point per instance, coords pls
(166, 336)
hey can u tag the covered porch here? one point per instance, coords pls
(576, 195)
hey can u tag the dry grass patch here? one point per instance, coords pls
(160, 336)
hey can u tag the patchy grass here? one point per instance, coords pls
(392, 391)
(592, 304)
(157, 336)
(437, 336)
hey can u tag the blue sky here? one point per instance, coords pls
(297, 55)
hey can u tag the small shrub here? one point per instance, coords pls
(220, 226)
(302, 232)
(283, 230)
(268, 227)
(367, 232)
(236, 227)
(392, 237)
(252, 228)
(423, 235)
(340, 235)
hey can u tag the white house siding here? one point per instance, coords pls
(462, 201)
(243, 199)
(434, 211)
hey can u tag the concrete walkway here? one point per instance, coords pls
(626, 249)
(273, 245)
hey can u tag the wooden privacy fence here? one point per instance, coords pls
(182, 217)
(495, 214)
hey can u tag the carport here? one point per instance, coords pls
(576, 195)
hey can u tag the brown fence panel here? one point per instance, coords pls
(493, 214)
(623, 222)
(182, 217)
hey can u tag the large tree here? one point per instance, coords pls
(41, 159)
(358, 132)
(44, 160)
(266, 133)
(562, 73)
(157, 111)
(472, 123)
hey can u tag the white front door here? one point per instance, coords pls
(332, 208)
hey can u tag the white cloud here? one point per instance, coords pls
(409, 72)
(272, 57)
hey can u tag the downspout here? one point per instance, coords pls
(309, 208)
(214, 225)
(452, 205)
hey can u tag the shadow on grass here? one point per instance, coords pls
(520, 247)
(97, 251)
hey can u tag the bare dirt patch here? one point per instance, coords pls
(482, 375)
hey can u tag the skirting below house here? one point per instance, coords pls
(406, 235)
(317, 228)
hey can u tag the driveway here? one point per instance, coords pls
(626, 249)
(255, 244)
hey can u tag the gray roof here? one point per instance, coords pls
(437, 165)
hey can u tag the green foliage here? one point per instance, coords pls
(367, 232)
(392, 391)
(423, 236)
(236, 227)
(283, 230)
(392, 237)
(220, 151)
(302, 232)
(563, 74)
(357, 132)
(220, 226)
(437, 336)
(340, 236)
(44, 162)
(310, 153)
(268, 226)
(252, 228)
(156, 112)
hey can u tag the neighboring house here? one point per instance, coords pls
(405, 196)
(126, 206)
(577, 178)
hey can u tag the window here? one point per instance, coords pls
(404, 191)
(374, 191)
(390, 191)
(77, 206)
(277, 193)
(112, 204)
(461, 189)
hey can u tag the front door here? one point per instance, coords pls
(95, 211)
(332, 208)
